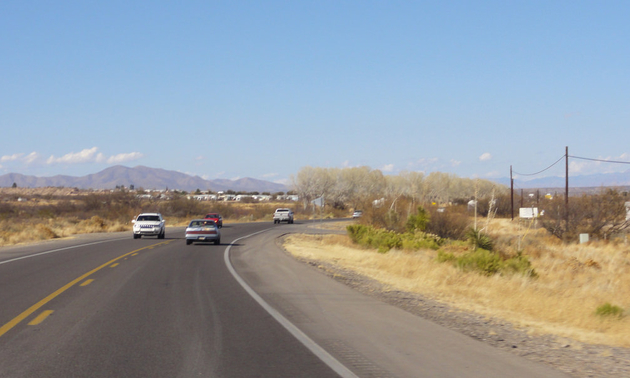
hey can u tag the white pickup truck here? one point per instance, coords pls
(283, 215)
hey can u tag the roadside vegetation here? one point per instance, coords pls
(580, 291)
(28, 215)
(453, 240)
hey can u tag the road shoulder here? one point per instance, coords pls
(369, 335)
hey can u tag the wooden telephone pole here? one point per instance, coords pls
(566, 190)
(512, 192)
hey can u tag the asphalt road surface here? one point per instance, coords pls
(105, 305)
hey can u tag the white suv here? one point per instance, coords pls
(148, 224)
(283, 215)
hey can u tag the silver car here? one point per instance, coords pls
(203, 230)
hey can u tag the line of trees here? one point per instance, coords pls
(350, 187)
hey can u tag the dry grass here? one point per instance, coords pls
(334, 226)
(24, 232)
(573, 281)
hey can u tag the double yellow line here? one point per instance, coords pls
(5, 328)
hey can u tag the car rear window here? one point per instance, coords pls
(201, 223)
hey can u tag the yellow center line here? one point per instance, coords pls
(41, 317)
(114, 265)
(87, 282)
(5, 328)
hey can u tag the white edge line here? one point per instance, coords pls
(320, 352)
(57, 250)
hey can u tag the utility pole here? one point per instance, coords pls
(566, 189)
(512, 192)
(476, 192)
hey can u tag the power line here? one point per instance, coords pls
(603, 161)
(533, 174)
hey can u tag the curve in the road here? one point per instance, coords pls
(315, 348)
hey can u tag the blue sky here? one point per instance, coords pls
(229, 89)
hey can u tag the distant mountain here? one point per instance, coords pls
(621, 179)
(141, 177)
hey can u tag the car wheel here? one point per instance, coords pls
(136, 236)
(217, 242)
(188, 242)
(161, 235)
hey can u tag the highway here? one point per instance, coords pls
(105, 305)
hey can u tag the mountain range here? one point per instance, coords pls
(141, 177)
(156, 178)
(620, 179)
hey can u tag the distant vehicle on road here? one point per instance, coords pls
(149, 224)
(283, 215)
(203, 230)
(215, 217)
(357, 214)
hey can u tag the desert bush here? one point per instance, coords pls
(44, 232)
(479, 239)
(502, 205)
(451, 223)
(6, 211)
(420, 240)
(180, 207)
(444, 256)
(385, 240)
(382, 214)
(480, 260)
(418, 221)
(519, 264)
(608, 310)
(489, 263)
(601, 215)
(368, 236)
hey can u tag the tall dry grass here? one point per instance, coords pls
(573, 281)
(37, 230)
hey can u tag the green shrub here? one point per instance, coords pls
(384, 240)
(519, 264)
(418, 221)
(480, 260)
(445, 257)
(488, 263)
(357, 232)
(479, 240)
(421, 240)
(609, 310)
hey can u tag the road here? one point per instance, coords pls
(109, 306)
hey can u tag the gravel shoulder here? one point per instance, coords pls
(575, 358)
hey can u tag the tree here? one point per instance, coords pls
(14, 185)
(311, 183)
(419, 221)
(601, 215)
